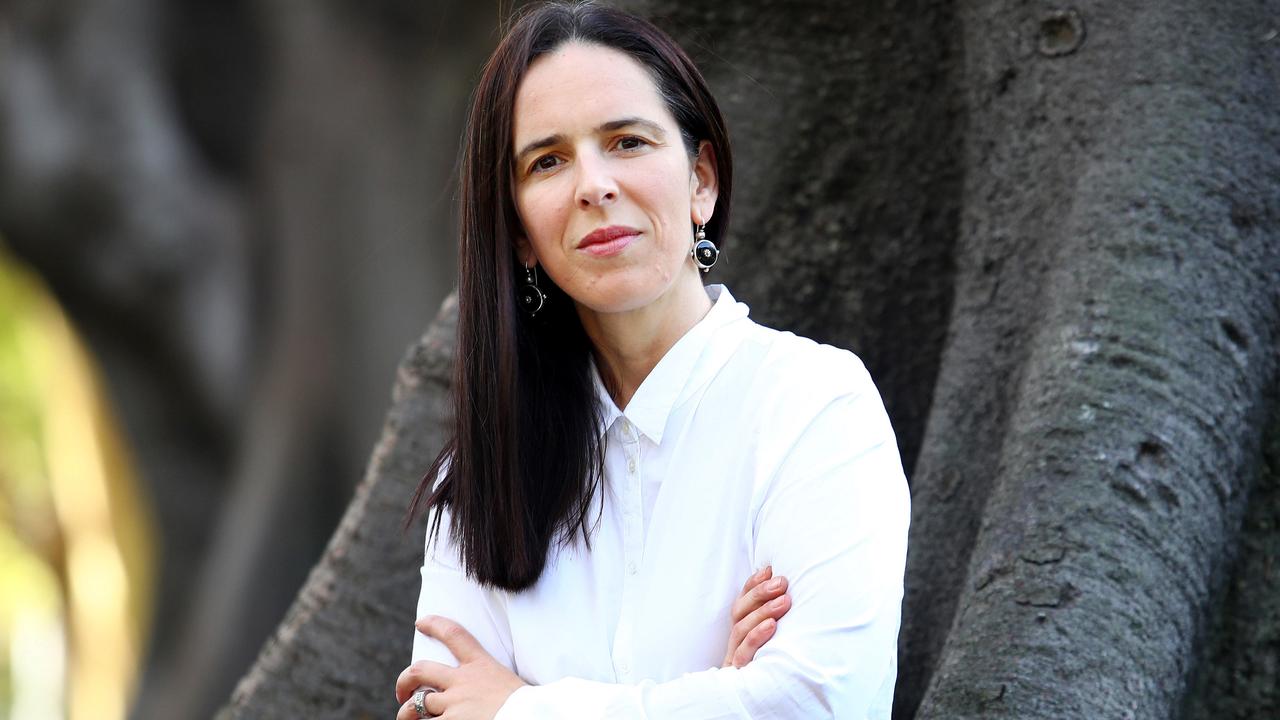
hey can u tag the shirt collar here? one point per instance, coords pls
(686, 366)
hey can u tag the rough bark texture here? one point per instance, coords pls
(1239, 659)
(1112, 351)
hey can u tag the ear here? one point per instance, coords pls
(704, 185)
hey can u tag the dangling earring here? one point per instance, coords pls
(531, 297)
(704, 251)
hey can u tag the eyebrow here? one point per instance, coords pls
(610, 126)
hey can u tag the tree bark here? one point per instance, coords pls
(1111, 364)
(1238, 660)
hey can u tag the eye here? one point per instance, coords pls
(632, 142)
(544, 163)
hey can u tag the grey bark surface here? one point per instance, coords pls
(1238, 660)
(1122, 245)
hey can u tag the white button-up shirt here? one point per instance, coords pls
(744, 447)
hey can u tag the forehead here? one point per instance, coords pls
(579, 86)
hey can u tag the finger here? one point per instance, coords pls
(407, 711)
(423, 672)
(748, 599)
(759, 635)
(757, 596)
(461, 643)
(773, 609)
(755, 640)
(433, 701)
(761, 575)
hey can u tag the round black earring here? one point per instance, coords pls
(531, 297)
(704, 251)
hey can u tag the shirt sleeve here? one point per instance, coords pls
(448, 592)
(834, 521)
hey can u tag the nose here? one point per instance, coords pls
(596, 186)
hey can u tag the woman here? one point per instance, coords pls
(628, 445)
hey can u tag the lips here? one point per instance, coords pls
(608, 240)
(605, 235)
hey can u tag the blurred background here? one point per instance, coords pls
(222, 223)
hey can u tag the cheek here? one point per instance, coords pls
(670, 193)
(663, 186)
(542, 214)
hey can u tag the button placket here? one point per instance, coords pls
(632, 512)
(632, 551)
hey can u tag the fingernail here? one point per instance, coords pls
(778, 602)
(775, 584)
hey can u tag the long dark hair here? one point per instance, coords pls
(527, 457)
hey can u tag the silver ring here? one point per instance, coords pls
(420, 701)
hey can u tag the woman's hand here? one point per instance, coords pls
(474, 690)
(755, 616)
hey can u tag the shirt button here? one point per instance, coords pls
(625, 668)
(626, 427)
(631, 465)
(631, 568)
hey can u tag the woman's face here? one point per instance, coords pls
(605, 189)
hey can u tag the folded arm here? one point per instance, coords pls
(834, 521)
(448, 592)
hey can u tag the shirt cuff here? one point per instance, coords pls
(511, 709)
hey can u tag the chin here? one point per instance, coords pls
(618, 295)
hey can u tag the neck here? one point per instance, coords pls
(629, 344)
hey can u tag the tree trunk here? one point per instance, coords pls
(1111, 363)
